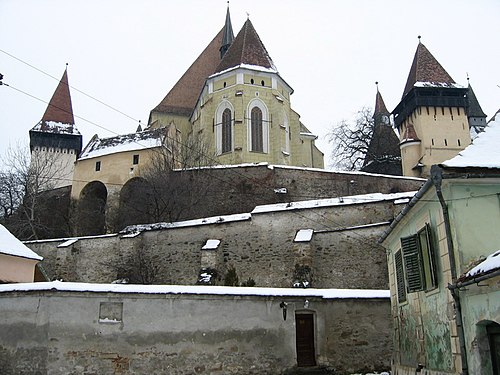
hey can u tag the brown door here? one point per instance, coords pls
(304, 329)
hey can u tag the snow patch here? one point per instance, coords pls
(304, 235)
(10, 245)
(491, 263)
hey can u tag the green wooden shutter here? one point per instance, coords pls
(400, 277)
(413, 263)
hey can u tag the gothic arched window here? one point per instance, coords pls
(227, 135)
(256, 129)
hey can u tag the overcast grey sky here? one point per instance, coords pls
(128, 54)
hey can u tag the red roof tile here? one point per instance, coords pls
(59, 108)
(425, 68)
(247, 48)
(182, 98)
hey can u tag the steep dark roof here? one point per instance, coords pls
(181, 99)
(425, 68)
(383, 155)
(59, 108)
(247, 48)
(474, 109)
(228, 36)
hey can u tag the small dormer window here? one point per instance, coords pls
(135, 160)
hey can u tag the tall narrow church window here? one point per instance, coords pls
(226, 131)
(256, 130)
(135, 159)
(97, 166)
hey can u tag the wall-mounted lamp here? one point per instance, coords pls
(283, 305)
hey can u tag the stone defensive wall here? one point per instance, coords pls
(73, 328)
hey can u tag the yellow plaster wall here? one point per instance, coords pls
(301, 152)
(443, 131)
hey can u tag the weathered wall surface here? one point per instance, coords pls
(221, 191)
(341, 254)
(58, 332)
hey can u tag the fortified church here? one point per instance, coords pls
(257, 209)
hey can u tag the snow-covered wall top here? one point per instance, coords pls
(193, 289)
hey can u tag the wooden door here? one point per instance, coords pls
(304, 329)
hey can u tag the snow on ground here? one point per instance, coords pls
(196, 289)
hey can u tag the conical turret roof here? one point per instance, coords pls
(426, 69)
(246, 49)
(474, 109)
(60, 108)
(383, 155)
(227, 36)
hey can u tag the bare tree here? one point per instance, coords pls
(351, 140)
(27, 194)
(171, 186)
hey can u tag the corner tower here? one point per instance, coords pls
(383, 154)
(244, 110)
(55, 142)
(431, 117)
(475, 114)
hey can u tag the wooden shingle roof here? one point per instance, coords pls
(425, 68)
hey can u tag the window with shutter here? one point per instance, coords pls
(400, 277)
(413, 263)
(419, 261)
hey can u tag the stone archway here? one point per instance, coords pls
(135, 203)
(91, 209)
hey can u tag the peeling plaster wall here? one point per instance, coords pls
(115, 333)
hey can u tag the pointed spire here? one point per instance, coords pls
(60, 108)
(425, 68)
(380, 108)
(228, 36)
(248, 49)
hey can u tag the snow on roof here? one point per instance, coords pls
(211, 245)
(328, 202)
(491, 263)
(55, 127)
(246, 66)
(10, 245)
(122, 143)
(438, 84)
(483, 152)
(304, 235)
(196, 289)
(187, 223)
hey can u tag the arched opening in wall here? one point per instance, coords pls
(91, 209)
(487, 342)
(136, 202)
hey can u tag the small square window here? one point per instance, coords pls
(110, 312)
(135, 160)
(97, 166)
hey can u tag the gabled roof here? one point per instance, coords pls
(474, 109)
(425, 69)
(10, 245)
(182, 98)
(58, 117)
(246, 49)
(121, 143)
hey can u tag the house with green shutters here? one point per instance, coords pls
(444, 266)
